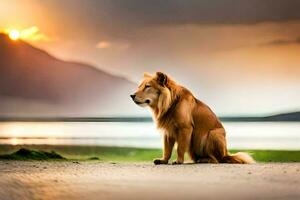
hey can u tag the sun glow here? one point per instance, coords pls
(30, 34)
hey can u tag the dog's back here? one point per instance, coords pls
(208, 138)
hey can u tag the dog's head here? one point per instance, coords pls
(150, 90)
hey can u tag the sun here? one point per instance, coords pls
(14, 34)
(31, 34)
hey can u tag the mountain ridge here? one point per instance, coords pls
(33, 82)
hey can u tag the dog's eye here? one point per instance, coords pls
(147, 86)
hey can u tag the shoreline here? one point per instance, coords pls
(130, 154)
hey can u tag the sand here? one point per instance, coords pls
(96, 180)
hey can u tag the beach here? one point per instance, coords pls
(143, 180)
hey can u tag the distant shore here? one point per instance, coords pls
(284, 117)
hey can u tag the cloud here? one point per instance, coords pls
(212, 11)
(112, 45)
(122, 17)
(103, 45)
(282, 42)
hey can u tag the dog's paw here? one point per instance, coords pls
(160, 162)
(176, 162)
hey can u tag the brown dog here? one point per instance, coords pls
(186, 121)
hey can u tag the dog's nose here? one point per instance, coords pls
(132, 96)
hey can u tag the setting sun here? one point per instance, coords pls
(32, 33)
(14, 34)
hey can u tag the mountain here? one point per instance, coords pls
(34, 83)
(292, 116)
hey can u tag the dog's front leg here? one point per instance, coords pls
(183, 142)
(168, 148)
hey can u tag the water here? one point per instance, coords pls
(246, 135)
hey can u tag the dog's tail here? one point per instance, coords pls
(239, 158)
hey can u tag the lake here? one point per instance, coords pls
(244, 135)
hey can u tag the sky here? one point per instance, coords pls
(241, 57)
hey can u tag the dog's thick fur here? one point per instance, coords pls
(186, 121)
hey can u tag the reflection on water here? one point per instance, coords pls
(250, 135)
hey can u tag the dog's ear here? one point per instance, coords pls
(161, 78)
(147, 75)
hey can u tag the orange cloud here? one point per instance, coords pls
(116, 45)
(103, 45)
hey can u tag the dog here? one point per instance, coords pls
(185, 120)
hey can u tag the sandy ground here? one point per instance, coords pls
(96, 180)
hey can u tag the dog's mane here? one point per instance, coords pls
(167, 103)
(164, 119)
